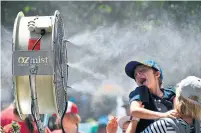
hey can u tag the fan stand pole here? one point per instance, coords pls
(34, 102)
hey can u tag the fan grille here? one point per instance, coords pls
(60, 63)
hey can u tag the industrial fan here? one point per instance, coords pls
(39, 65)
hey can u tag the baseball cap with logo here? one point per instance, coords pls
(131, 66)
(190, 89)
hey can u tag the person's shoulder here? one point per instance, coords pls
(170, 89)
(141, 93)
(139, 90)
(164, 126)
(159, 126)
(169, 92)
(161, 122)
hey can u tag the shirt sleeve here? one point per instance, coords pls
(159, 126)
(139, 94)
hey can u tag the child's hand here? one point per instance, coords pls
(47, 130)
(112, 125)
(171, 114)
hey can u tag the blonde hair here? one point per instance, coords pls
(185, 106)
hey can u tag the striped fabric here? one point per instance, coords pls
(162, 126)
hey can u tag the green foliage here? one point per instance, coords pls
(94, 13)
(15, 127)
(27, 9)
(105, 8)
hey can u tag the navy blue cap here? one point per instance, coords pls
(130, 67)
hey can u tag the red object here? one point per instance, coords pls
(31, 43)
(7, 116)
(72, 108)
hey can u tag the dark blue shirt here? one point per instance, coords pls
(152, 102)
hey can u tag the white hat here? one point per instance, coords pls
(191, 86)
(123, 120)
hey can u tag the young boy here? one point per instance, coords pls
(155, 100)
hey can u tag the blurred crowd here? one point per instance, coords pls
(11, 121)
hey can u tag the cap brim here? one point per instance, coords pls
(123, 120)
(130, 67)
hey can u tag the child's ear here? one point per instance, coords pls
(157, 74)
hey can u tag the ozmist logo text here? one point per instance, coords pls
(32, 60)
